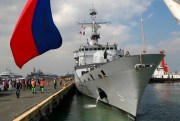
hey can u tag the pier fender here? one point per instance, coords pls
(102, 94)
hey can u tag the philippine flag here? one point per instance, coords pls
(35, 32)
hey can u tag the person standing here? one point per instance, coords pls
(10, 84)
(6, 84)
(18, 87)
(55, 83)
(29, 83)
(33, 84)
(23, 84)
(14, 85)
(39, 84)
(48, 82)
(60, 81)
(42, 83)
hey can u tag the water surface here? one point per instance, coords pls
(160, 102)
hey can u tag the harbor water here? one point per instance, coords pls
(160, 102)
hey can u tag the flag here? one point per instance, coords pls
(82, 31)
(35, 32)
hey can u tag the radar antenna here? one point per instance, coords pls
(94, 25)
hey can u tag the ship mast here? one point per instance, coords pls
(143, 36)
(94, 25)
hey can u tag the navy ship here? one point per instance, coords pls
(110, 74)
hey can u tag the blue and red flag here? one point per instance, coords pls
(35, 32)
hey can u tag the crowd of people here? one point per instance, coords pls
(32, 84)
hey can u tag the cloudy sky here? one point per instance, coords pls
(161, 31)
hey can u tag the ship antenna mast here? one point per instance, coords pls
(143, 36)
(94, 25)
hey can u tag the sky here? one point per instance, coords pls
(160, 28)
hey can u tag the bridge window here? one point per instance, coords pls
(84, 72)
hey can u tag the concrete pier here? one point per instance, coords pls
(31, 107)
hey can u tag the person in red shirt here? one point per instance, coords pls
(23, 84)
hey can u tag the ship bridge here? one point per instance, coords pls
(96, 54)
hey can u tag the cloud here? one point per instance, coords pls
(66, 13)
(175, 33)
(171, 44)
(115, 34)
(171, 47)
